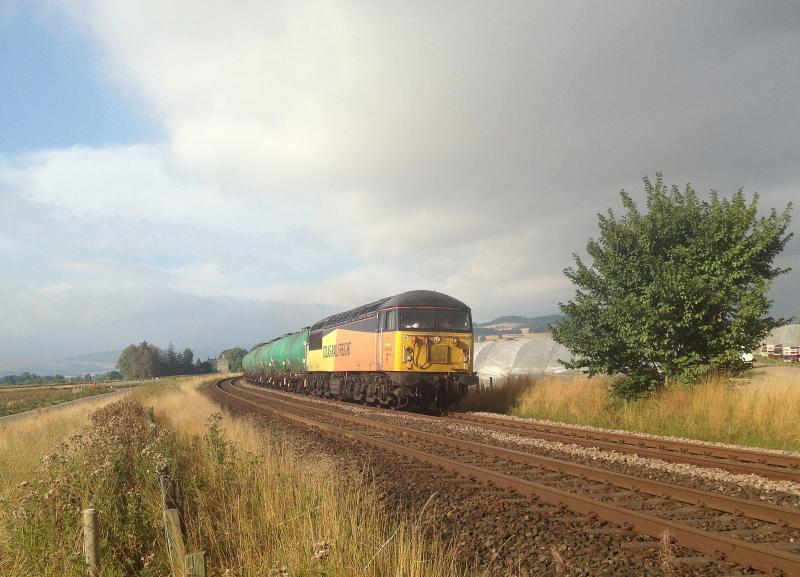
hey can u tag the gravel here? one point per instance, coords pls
(632, 433)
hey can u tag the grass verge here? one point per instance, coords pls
(26, 439)
(760, 412)
(251, 501)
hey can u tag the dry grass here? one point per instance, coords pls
(262, 505)
(112, 465)
(666, 554)
(26, 439)
(254, 504)
(499, 398)
(762, 411)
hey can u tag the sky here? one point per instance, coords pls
(218, 173)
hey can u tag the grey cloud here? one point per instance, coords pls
(465, 145)
(62, 321)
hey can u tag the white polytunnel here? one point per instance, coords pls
(787, 335)
(535, 354)
(538, 353)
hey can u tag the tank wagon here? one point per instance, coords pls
(412, 350)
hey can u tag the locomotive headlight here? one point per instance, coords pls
(409, 355)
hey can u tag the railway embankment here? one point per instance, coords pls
(495, 493)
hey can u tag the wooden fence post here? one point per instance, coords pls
(91, 547)
(172, 497)
(196, 564)
(175, 546)
(182, 564)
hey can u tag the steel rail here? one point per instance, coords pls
(745, 461)
(715, 545)
(783, 516)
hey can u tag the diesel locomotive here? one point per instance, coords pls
(412, 350)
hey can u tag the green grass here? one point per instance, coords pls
(14, 401)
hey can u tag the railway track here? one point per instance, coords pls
(752, 534)
(736, 460)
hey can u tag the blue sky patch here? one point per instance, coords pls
(52, 94)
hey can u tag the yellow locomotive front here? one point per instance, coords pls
(426, 348)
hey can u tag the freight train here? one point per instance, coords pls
(409, 351)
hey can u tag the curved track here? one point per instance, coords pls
(749, 533)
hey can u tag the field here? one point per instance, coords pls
(253, 502)
(760, 410)
(19, 399)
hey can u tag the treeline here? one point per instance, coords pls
(144, 361)
(27, 378)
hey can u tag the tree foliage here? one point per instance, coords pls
(186, 361)
(145, 361)
(675, 292)
(234, 357)
(171, 360)
(141, 361)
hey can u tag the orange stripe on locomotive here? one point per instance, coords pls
(348, 348)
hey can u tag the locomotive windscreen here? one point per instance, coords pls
(417, 319)
(435, 320)
(458, 321)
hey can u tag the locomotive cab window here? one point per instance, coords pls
(389, 320)
(315, 341)
(453, 320)
(416, 319)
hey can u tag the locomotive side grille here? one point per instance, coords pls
(440, 354)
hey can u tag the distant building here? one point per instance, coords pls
(783, 344)
(219, 365)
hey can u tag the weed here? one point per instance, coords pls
(112, 466)
(666, 554)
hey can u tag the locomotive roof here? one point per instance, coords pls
(423, 299)
(418, 298)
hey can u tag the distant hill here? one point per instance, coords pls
(103, 357)
(508, 319)
(81, 365)
(516, 323)
(92, 363)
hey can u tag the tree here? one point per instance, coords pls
(186, 361)
(125, 362)
(171, 359)
(674, 293)
(234, 357)
(140, 362)
(202, 367)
